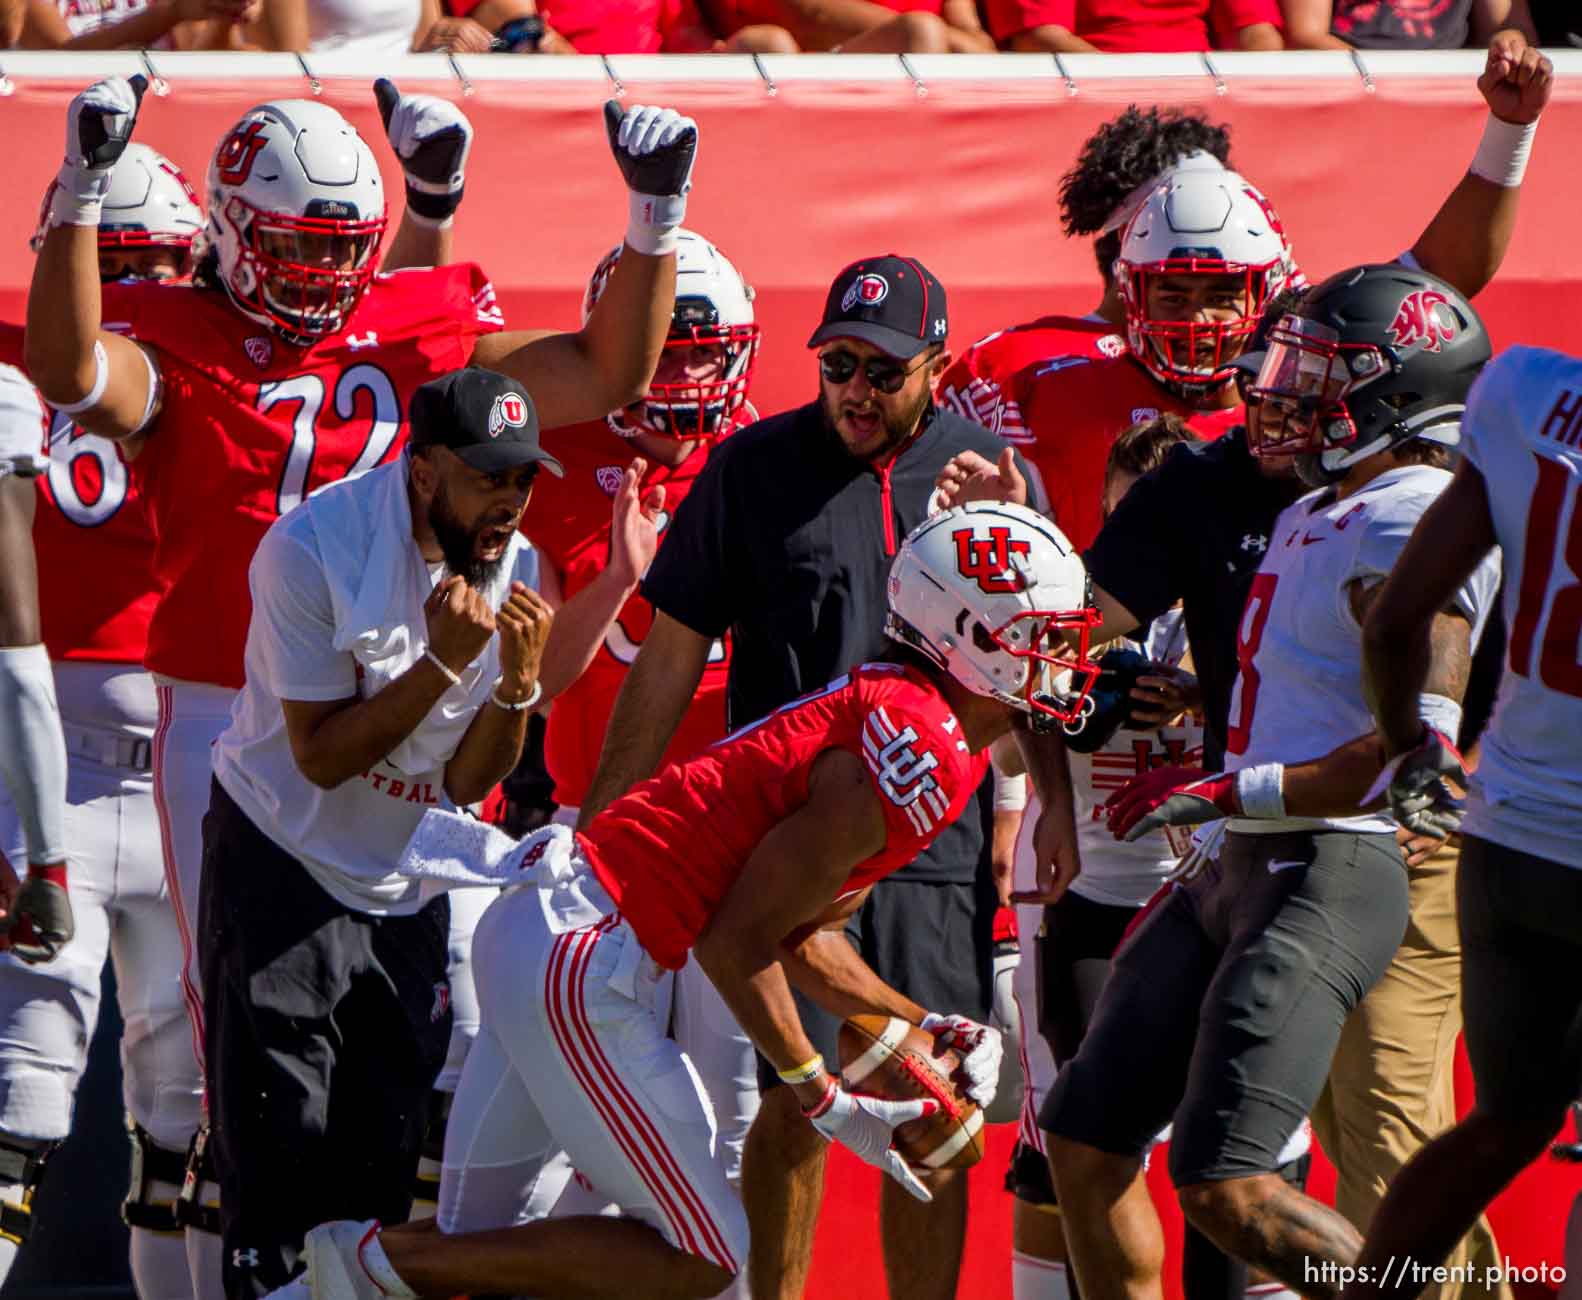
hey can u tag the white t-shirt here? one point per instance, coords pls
(24, 425)
(367, 26)
(1522, 432)
(349, 838)
(1299, 693)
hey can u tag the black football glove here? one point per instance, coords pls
(432, 138)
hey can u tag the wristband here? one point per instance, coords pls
(533, 697)
(654, 221)
(1502, 153)
(1441, 713)
(1010, 792)
(77, 197)
(454, 678)
(101, 380)
(1260, 790)
(824, 1103)
(804, 1073)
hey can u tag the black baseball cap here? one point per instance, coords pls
(891, 301)
(485, 417)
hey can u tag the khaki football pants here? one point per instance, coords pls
(1391, 1086)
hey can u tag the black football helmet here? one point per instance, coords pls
(1369, 358)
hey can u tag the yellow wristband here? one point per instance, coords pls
(804, 1073)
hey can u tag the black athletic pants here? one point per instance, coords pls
(324, 1031)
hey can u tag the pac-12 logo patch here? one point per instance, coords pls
(509, 411)
(987, 560)
(1424, 319)
(260, 350)
(608, 477)
(865, 291)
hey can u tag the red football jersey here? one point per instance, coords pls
(250, 426)
(730, 16)
(569, 521)
(668, 851)
(1072, 408)
(631, 27)
(974, 386)
(94, 542)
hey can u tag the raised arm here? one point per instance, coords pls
(431, 138)
(107, 384)
(608, 363)
(1468, 237)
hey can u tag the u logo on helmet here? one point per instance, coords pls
(509, 410)
(865, 291)
(235, 159)
(1425, 319)
(987, 560)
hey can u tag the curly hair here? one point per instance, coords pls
(1145, 445)
(1122, 154)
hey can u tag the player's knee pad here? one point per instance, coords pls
(425, 1183)
(147, 1205)
(22, 1162)
(198, 1205)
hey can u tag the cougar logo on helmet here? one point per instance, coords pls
(235, 159)
(509, 410)
(987, 560)
(1424, 319)
(865, 291)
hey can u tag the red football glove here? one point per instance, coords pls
(1171, 796)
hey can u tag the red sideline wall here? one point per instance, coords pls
(795, 184)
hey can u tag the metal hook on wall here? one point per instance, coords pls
(313, 82)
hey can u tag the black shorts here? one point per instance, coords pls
(932, 941)
(1073, 954)
(1521, 978)
(1223, 1009)
(324, 1031)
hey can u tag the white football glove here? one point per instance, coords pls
(866, 1126)
(655, 149)
(432, 138)
(99, 124)
(980, 1049)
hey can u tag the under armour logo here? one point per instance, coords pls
(939, 327)
(988, 559)
(244, 1259)
(1255, 542)
(368, 340)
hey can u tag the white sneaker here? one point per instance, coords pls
(335, 1266)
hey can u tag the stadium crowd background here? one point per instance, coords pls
(620, 29)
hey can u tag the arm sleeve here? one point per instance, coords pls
(291, 639)
(1137, 555)
(32, 750)
(1005, 18)
(690, 579)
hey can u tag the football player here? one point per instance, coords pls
(90, 518)
(699, 395)
(1520, 882)
(1274, 944)
(289, 363)
(1201, 257)
(745, 854)
(1118, 167)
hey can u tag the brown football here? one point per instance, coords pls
(885, 1056)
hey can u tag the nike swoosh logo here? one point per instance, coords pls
(1284, 866)
(1308, 539)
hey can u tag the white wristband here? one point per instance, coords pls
(654, 221)
(101, 379)
(1010, 792)
(1441, 713)
(533, 697)
(455, 678)
(1502, 154)
(1260, 790)
(77, 197)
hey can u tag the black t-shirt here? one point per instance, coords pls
(1402, 24)
(785, 541)
(1195, 530)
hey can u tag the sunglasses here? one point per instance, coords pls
(883, 374)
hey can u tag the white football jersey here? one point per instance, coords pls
(1114, 871)
(1523, 432)
(24, 425)
(1299, 692)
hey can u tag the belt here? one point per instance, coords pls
(108, 748)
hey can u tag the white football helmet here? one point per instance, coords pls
(296, 214)
(714, 305)
(1200, 222)
(986, 591)
(150, 204)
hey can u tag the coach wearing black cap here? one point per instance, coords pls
(396, 648)
(785, 542)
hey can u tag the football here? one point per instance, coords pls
(885, 1056)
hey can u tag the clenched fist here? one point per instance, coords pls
(524, 621)
(460, 623)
